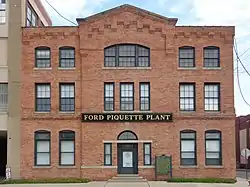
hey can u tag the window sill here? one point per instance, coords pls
(66, 68)
(42, 112)
(188, 167)
(42, 69)
(187, 112)
(42, 167)
(212, 112)
(212, 68)
(191, 68)
(3, 113)
(146, 167)
(69, 113)
(66, 167)
(214, 167)
(125, 68)
(125, 111)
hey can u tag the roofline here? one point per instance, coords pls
(44, 11)
(128, 6)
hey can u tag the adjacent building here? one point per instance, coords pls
(242, 125)
(124, 86)
(13, 15)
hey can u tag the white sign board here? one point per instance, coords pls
(8, 173)
(127, 159)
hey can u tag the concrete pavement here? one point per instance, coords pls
(240, 183)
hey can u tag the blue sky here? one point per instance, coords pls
(189, 12)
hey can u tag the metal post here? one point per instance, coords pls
(246, 163)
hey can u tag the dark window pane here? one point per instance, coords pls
(186, 57)
(211, 100)
(126, 56)
(187, 97)
(67, 58)
(211, 57)
(127, 136)
(188, 161)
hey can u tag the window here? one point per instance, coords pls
(43, 100)
(212, 97)
(187, 96)
(32, 18)
(211, 57)
(186, 57)
(109, 96)
(42, 148)
(108, 154)
(144, 96)
(67, 57)
(127, 135)
(213, 148)
(127, 55)
(3, 97)
(127, 97)
(67, 148)
(147, 153)
(42, 57)
(67, 97)
(188, 148)
(3, 11)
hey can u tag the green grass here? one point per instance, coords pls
(202, 180)
(39, 181)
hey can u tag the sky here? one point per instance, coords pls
(189, 12)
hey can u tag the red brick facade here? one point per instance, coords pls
(127, 24)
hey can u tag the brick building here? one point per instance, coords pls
(124, 86)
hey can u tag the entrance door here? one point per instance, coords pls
(127, 158)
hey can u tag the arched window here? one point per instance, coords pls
(67, 57)
(127, 55)
(42, 148)
(211, 56)
(127, 135)
(186, 57)
(213, 147)
(42, 57)
(67, 148)
(188, 147)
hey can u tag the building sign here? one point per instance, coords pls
(127, 117)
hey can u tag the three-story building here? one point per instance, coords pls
(125, 85)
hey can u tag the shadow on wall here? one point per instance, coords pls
(3, 154)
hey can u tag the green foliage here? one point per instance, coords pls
(201, 180)
(39, 181)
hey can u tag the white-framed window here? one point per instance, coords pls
(43, 99)
(188, 147)
(187, 97)
(3, 11)
(3, 97)
(67, 148)
(108, 154)
(147, 154)
(213, 147)
(67, 97)
(127, 96)
(42, 148)
(32, 18)
(212, 96)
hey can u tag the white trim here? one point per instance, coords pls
(43, 69)
(134, 111)
(187, 68)
(99, 167)
(125, 68)
(212, 68)
(60, 68)
(113, 167)
(146, 167)
(127, 141)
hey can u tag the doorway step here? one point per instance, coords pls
(127, 178)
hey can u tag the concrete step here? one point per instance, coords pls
(127, 178)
